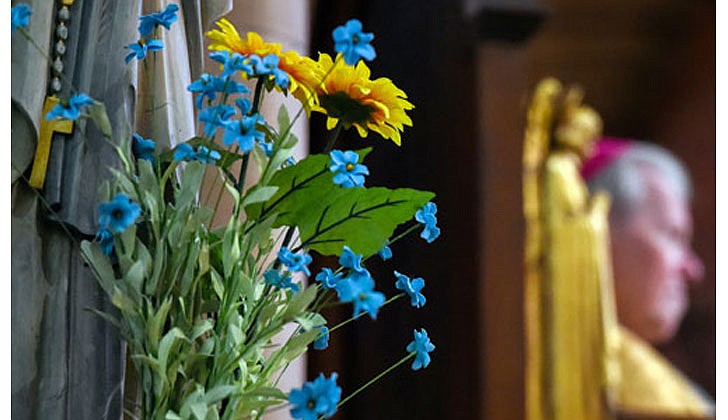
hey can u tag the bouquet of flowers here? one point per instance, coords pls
(198, 304)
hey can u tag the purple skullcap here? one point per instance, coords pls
(606, 151)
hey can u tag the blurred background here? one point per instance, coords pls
(647, 67)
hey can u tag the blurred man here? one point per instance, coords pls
(653, 263)
(651, 232)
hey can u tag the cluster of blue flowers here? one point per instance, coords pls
(147, 24)
(243, 132)
(352, 282)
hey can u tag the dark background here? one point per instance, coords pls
(647, 67)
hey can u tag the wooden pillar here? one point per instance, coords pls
(502, 89)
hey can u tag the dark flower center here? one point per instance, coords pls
(117, 214)
(350, 111)
(355, 38)
(311, 404)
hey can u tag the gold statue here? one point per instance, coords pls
(580, 363)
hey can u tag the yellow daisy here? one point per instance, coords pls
(227, 38)
(348, 95)
(304, 72)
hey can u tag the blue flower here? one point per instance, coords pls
(20, 16)
(412, 288)
(140, 48)
(358, 288)
(426, 216)
(209, 86)
(76, 105)
(206, 155)
(106, 241)
(119, 213)
(350, 41)
(350, 259)
(386, 252)
(185, 152)
(164, 18)
(328, 278)
(267, 147)
(143, 148)
(231, 63)
(421, 346)
(322, 340)
(268, 65)
(348, 172)
(316, 398)
(289, 162)
(274, 278)
(215, 117)
(294, 262)
(243, 105)
(244, 132)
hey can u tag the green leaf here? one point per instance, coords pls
(97, 112)
(292, 348)
(217, 284)
(147, 178)
(128, 241)
(284, 121)
(201, 328)
(134, 277)
(267, 391)
(230, 247)
(310, 320)
(219, 393)
(191, 180)
(168, 344)
(361, 218)
(124, 184)
(295, 182)
(259, 194)
(160, 259)
(156, 323)
(122, 301)
(100, 264)
(299, 302)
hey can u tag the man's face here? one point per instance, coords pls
(654, 262)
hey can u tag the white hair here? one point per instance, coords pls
(625, 179)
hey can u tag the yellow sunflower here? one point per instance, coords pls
(227, 38)
(348, 95)
(304, 72)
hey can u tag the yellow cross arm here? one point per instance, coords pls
(45, 135)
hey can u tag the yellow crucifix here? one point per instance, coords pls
(45, 136)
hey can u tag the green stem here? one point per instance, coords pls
(354, 318)
(257, 96)
(405, 233)
(243, 171)
(375, 379)
(334, 137)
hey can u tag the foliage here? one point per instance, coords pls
(199, 304)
